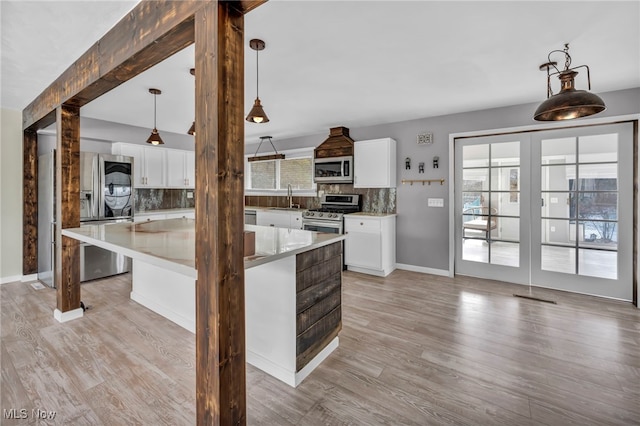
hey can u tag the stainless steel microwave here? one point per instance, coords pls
(333, 170)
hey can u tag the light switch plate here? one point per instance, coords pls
(435, 202)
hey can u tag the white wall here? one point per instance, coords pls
(10, 195)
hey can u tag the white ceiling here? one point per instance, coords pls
(351, 63)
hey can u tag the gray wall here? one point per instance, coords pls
(423, 232)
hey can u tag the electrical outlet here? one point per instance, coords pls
(189, 194)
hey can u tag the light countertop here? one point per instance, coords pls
(366, 214)
(170, 243)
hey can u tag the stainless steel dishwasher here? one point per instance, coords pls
(249, 217)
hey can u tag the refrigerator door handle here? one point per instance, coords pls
(100, 198)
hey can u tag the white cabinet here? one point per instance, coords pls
(190, 169)
(147, 217)
(374, 163)
(185, 215)
(180, 168)
(370, 246)
(149, 164)
(160, 215)
(279, 218)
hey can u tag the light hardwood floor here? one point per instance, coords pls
(415, 349)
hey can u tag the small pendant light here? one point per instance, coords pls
(155, 138)
(257, 114)
(569, 103)
(192, 129)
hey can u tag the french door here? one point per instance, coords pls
(551, 208)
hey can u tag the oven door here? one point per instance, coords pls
(322, 226)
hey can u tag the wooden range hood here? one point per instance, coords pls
(338, 144)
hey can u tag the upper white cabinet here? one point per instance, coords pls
(374, 163)
(148, 166)
(156, 167)
(180, 168)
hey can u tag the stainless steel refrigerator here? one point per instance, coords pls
(106, 196)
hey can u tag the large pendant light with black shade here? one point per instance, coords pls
(257, 114)
(569, 103)
(154, 138)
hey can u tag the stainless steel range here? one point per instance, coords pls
(329, 217)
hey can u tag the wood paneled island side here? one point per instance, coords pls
(293, 287)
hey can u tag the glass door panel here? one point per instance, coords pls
(552, 208)
(586, 192)
(489, 235)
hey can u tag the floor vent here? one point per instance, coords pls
(535, 298)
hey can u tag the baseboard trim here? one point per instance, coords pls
(29, 278)
(423, 270)
(68, 316)
(11, 279)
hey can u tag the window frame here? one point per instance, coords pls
(289, 155)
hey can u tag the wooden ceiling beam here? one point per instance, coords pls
(153, 31)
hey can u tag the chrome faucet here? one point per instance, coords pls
(290, 195)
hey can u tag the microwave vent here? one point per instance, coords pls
(338, 144)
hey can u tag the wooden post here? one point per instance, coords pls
(30, 203)
(220, 320)
(67, 265)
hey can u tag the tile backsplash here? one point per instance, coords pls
(374, 200)
(148, 199)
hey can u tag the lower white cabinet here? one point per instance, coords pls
(160, 215)
(279, 218)
(370, 246)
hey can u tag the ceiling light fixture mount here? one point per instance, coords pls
(192, 129)
(569, 103)
(257, 114)
(154, 138)
(275, 156)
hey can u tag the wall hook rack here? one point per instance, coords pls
(422, 181)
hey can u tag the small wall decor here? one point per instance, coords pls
(420, 167)
(435, 161)
(407, 163)
(425, 138)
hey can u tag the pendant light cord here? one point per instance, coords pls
(154, 111)
(257, 73)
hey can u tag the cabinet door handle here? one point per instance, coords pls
(361, 223)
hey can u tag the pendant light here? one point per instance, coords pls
(569, 103)
(155, 138)
(192, 129)
(275, 156)
(257, 114)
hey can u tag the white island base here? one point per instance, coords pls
(270, 306)
(292, 287)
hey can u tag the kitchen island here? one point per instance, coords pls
(292, 287)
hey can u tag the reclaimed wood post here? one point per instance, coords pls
(219, 146)
(30, 203)
(67, 265)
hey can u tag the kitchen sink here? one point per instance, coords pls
(286, 208)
